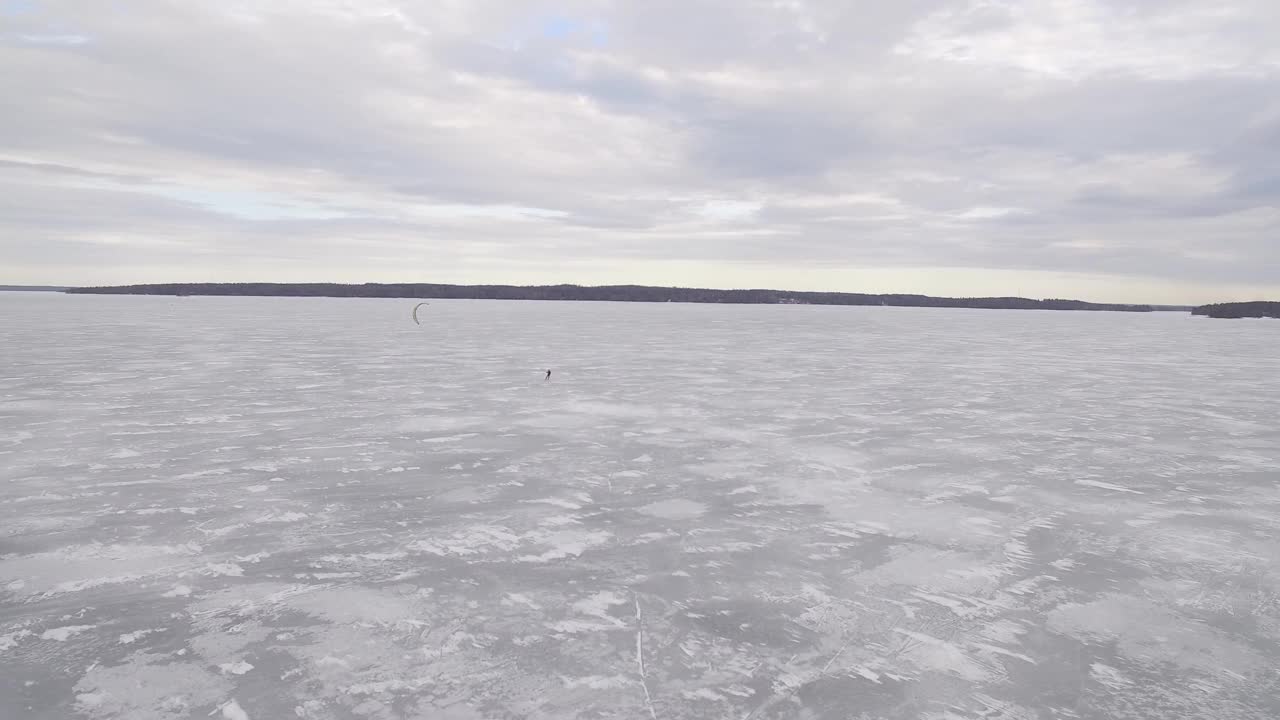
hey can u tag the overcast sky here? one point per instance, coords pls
(1116, 150)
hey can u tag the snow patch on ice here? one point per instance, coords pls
(567, 544)
(440, 423)
(1109, 676)
(233, 711)
(598, 606)
(512, 599)
(866, 672)
(558, 502)
(1004, 631)
(1145, 631)
(597, 682)
(930, 653)
(350, 605)
(78, 585)
(578, 627)
(440, 440)
(61, 634)
(702, 694)
(162, 510)
(284, 517)
(133, 637)
(11, 640)
(1107, 486)
(470, 541)
(674, 509)
(82, 567)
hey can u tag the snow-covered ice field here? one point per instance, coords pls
(313, 508)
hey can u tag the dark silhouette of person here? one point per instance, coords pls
(548, 377)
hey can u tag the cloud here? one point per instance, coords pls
(938, 141)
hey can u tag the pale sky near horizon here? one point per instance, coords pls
(1107, 150)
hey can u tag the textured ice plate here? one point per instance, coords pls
(313, 508)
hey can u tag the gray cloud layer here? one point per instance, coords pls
(1120, 150)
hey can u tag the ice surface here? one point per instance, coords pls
(313, 508)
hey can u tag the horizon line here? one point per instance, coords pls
(622, 285)
(64, 286)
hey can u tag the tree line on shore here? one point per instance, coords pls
(611, 293)
(1239, 310)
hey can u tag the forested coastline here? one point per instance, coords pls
(1239, 310)
(610, 293)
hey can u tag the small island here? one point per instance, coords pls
(1239, 310)
(607, 293)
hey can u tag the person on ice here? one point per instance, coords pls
(548, 377)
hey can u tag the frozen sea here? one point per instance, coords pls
(314, 508)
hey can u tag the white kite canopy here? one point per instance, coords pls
(415, 312)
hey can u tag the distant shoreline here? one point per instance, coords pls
(1240, 310)
(614, 293)
(33, 288)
